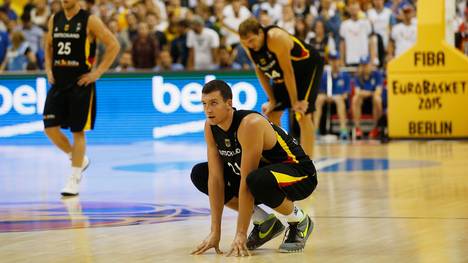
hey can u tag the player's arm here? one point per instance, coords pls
(215, 181)
(281, 44)
(264, 81)
(215, 193)
(104, 35)
(251, 136)
(48, 50)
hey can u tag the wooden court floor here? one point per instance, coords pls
(406, 201)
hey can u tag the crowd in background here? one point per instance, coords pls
(202, 35)
(360, 36)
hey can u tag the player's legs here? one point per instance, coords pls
(307, 134)
(341, 109)
(357, 101)
(277, 186)
(78, 148)
(321, 98)
(58, 138)
(377, 104)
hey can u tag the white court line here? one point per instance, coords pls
(178, 129)
(322, 164)
(21, 129)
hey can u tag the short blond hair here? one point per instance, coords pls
(250, 25)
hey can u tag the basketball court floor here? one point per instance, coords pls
(406, 201)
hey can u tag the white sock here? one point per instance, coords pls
(76, 172)
(259, 215)
(296, 216)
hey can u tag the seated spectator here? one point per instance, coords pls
(225, 59)
(19, 56)
(461, 37)
(125, 62)
(165, 62)
(334, 88)
(145, 48)
(367, 84)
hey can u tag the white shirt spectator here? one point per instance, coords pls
(232, 21)
(381, 23)
(355, 33)
(275, 11)
(202, 45)
(404, 36)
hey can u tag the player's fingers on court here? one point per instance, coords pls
(218, 251)
(246, 250)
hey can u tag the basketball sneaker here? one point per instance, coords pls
(374, 133)
(264, 232)
(296, 236)
(72, 187)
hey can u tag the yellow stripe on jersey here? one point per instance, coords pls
(285, 180)
(285, 147)
(88, 119)
(305, 52)
(311, 82)
(87, 52)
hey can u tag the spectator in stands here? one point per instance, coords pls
(125, 62)
(264, 19)
(303, 9)
(145, 48)
(403, 34)
(19, 56)
(302, 30)
(461, 37)
(380, 18)
(33, 33)
(329, 14)
(234, 13)
(122, 38)
(287, 20)
(174, 8)
(55, 7)
(225, 59)
(367, 84)
(203, 46)
(10, 12)
(241, 58)
(154, 27)
(179, 49)
(40, 13)
(334, 88)
(4, 43)
(272, 7)
(354, 33)
(164, 62)
(4, 20)
(322, 41)
(132, 27)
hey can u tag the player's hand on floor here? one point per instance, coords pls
(239, 246)
(212, 241)
(88, 78)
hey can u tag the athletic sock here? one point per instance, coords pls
(259, 215)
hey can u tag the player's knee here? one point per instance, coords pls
(199, 177)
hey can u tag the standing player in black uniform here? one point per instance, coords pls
(294, 69)
(251, 160)
(71, 102)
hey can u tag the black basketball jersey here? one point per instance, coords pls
(73, 51)
(286, 149)
(304, 58)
